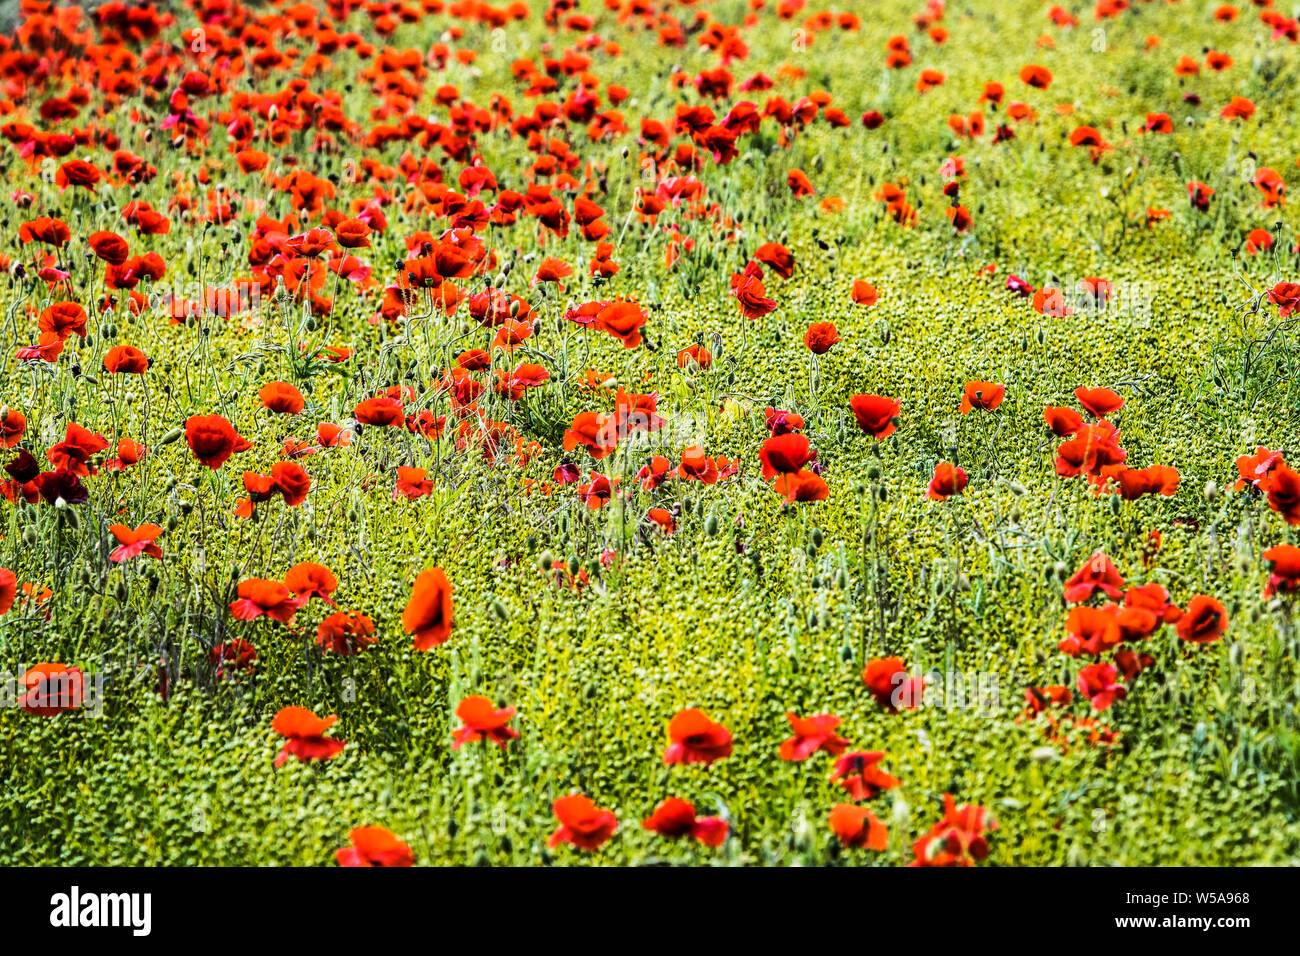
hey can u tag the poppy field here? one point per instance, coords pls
(749, 432)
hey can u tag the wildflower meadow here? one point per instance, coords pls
(692, 432)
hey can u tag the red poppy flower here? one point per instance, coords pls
(125, 360)
(374, 846)
(983, 395)
(74, 453)
(694, 738)
(1203, 621)
(595, 431)
(62, 320)
(1097, 683)
(598, 493)
(428, 614)
(1097, 574)
(259, 596)
(1050, 301)
(8, 589)
(864, 293)
(888, 681)
(13, 424)
(1199, 195)
(802, 486)
(779, 422)
(1286, 296)
(213, 440)
(859, 774)
(352, 234)
(948, 480)
(49, 689)
(51, 232)
(799, 184)
(876, 415)
(777, 258)
(1155, 480)
(411, 483)
(305, 735)
(1154, 598)
(345, 632)
(282, 398)
(696, 354)
(482, 721)
(1253, 469)
(956, 840)
(1099, 402)
(1039, 77)
(110, 247)
(1063, 422)
(1238, 108)
(697, 466)
(1091, 630)
(310, 580)
(133, 542)
(582, 823)
(383, 411)
(623, 320)
(1284, 579)
(1282, 486)
(858, 827)
(812, 734)
(1093, 451)
(675, 818)
(820, 337)
(747, 287)
(784, 454)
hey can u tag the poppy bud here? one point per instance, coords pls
(591, 690)
(811, 551)
(1043, 754)
(1114, 505)
(574, 565)
(711, 525)
(882, 493)
(547, 560)
(1211, 490)
(499, 611)
(1018, 489)
(818, 539)
(1061, 570)
(235, 572)
(885, 333)
(167, 439)
(1040, 336)
(120, 591)
(812, 621)
(30, 536)
(873, 472)
(186, 507)
(172, 522)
